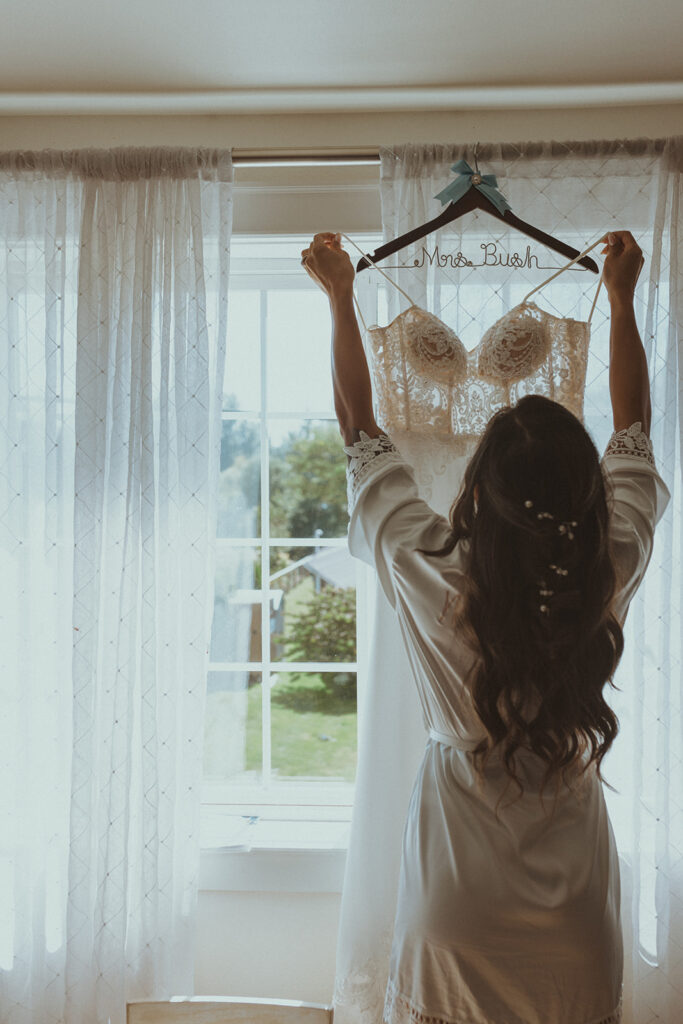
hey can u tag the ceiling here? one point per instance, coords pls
(135, 46)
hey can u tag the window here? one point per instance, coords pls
(285, 668)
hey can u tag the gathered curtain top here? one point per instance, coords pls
(131, 163)
(535, 159)
(128, 163)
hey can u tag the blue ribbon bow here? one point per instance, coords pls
(456, 189)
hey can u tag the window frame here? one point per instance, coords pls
(332, 801)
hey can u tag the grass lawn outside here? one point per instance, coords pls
(313, 717)
(313, 730)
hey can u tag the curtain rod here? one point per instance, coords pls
(288, 158)
(98, 162)
(485, 151)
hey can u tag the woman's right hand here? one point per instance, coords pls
(623, 263)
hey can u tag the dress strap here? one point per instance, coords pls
(381, 272)
(566, 267)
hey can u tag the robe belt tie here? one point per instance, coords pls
(453, 741)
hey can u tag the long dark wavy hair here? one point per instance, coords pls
(555, 650)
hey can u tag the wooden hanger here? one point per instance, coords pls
(473, 199)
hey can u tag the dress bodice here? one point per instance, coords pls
(434, 397)
(426, 382)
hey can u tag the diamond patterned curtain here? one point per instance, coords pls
(575, 191)
(113, 310)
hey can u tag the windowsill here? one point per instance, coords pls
(272, 870)
(243, 852)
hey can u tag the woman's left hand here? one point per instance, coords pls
(328, 264)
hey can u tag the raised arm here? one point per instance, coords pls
(331, 268)
(350, 373)
(629, 381)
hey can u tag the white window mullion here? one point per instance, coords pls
(252, 414)
(283, 542)
(314, 666)
(266, 759)
(316, 542)
(285, 666)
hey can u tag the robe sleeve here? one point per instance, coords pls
(638, 498)
(385, 510)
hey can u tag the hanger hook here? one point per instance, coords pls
(476, 162)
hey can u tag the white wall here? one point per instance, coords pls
(283, 944)
(267, 945)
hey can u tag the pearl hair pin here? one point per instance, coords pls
(558, 570)
(563, 528)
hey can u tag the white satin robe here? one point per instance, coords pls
(514, 920)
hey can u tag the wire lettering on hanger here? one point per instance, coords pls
(492, 257)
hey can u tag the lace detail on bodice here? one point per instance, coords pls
(435, 350)
(399, 1010)
(368, 456)
(631, 441)
(514, 347)
(426, 383)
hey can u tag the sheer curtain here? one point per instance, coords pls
(113, 309)
(575, 191)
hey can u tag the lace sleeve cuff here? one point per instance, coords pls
(370, 457)
(632, 441)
